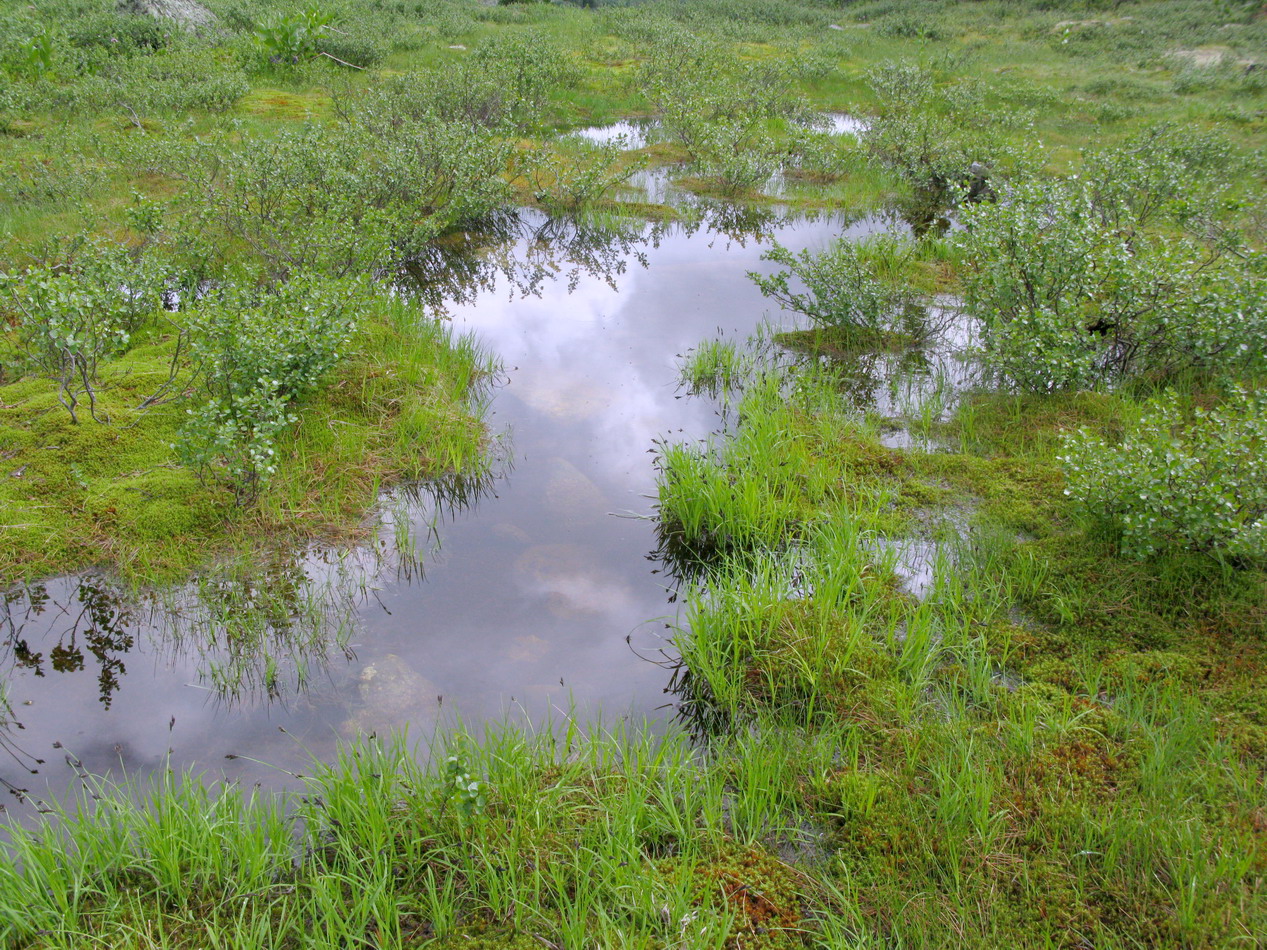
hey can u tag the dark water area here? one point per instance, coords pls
(536, 594)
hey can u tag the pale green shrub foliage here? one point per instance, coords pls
(919, 130)
(1072, 294)
(360, 196)
(844, 286)
(580, 172)
(716, 107)
(1196, 482)
(78, 309)
(255, 358)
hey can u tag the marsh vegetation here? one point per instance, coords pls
(961, 520)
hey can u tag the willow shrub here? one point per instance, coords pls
(717, 107)
(80, 305)
(859, 287)
(1176, 480)
(1072, 293)
(255, 357)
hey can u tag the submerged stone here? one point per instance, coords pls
(572, 584)
(393, 694)
(570, 494)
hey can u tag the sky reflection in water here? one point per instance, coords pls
(525, 604)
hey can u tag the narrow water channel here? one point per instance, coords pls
(536, 594)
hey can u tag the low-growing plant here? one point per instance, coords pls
(255, 356)
(579, 173)
(856, 286)
(909, 25)
(1178, 479)
(926, 133)
(467, 794)
(527, 69)
(717, 107)
(915, 131)
(737, 158)
(364, 195)
(75, 311)
(823, 156)
(38, 53)
(1072, 293)
(291, 38)
(715, 366)
(1165, 173)
(117, 34)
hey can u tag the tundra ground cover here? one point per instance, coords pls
(1058, 742)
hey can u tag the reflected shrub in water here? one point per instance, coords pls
(256, 357)
(1175, 479)
(856, 286)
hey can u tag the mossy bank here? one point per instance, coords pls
(403, 404)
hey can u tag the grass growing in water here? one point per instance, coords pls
(1053, 746)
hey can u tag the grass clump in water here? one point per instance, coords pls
(1052, 745)
(714, 367)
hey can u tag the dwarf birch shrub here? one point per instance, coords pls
(716, 107)
(506, 84)
(1164, 173)
(918, 132)
(361, 196)
(256, 356)
(580, 173)
(1178, 481)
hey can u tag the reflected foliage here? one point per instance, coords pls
(96, 621)
(519, 251)
(253, 630)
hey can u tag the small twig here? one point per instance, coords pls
(173, 367)
(341, 62)
(136, 120)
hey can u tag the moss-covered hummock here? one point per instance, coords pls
(113, 494)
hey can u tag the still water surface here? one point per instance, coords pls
(534, 593)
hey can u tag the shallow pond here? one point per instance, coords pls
(631, 133)
(536, 594)
(639, 133)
